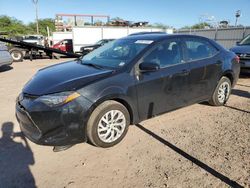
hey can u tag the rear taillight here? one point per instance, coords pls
(237, 59)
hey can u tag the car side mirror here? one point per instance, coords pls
(149, 67)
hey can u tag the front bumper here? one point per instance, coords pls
(6, 63)
(245, 64)
(5, 58)
(57, 126)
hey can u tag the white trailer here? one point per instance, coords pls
(89, 35)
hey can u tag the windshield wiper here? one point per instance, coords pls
(93, 65)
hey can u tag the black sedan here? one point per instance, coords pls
(86, 49)
(97, 97)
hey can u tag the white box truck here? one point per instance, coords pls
(89, 35)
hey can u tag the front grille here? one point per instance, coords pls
(243, 56)
(30, 130)
(27, 125)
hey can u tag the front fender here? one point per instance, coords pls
(119, 94)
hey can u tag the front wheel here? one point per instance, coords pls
(108, 124)
(16, 54)
(221, 93)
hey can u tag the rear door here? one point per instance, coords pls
(205, 67)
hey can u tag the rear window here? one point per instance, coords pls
(199, 49)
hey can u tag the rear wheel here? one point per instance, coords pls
(221, 93)
(108, 124)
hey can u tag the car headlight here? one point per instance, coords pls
(58, 99)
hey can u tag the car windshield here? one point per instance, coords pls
(116, 54)
(245, 41)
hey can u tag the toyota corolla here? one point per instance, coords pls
(97, 97)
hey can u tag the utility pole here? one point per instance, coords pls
(36, 7)
(237, 15)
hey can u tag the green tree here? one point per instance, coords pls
(186, 27)
(43, 24)
(15, 27)
(202, 25)
(160, 25)
(12, 26)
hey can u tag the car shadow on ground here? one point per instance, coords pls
(238, 109)
(15, 159)
(199, 163)
(240, 93)
(5, 68)
(244, 75)
(237, 92)
(243, 85)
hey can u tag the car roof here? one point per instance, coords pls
(147, 32)
(160, 36)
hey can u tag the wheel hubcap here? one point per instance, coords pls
(16, 56)
(111, 126)
(223, 92)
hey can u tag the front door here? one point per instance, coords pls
(165, 89)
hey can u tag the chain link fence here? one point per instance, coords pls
(227, 37)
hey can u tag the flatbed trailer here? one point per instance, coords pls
(19, 49)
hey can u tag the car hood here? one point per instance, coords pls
(63, 77)
(241, 49)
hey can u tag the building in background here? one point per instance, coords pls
(65, 22)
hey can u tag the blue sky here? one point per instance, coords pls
(176, 13)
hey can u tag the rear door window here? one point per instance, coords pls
(199, 49)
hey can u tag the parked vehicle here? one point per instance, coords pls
(243, 51)
(86, 49)
(34, 39)
(64, 45)
(128, 80)
(87, 35)
(146, 33)
(19, 49)
(5, 57)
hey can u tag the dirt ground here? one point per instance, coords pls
(197, 146)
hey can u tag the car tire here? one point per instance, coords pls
(108, 124)
(221, 93)
(17, 55)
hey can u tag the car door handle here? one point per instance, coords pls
(218, 64)
(185, 72)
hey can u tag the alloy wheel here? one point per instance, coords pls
(223, 92)
(111, 126)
